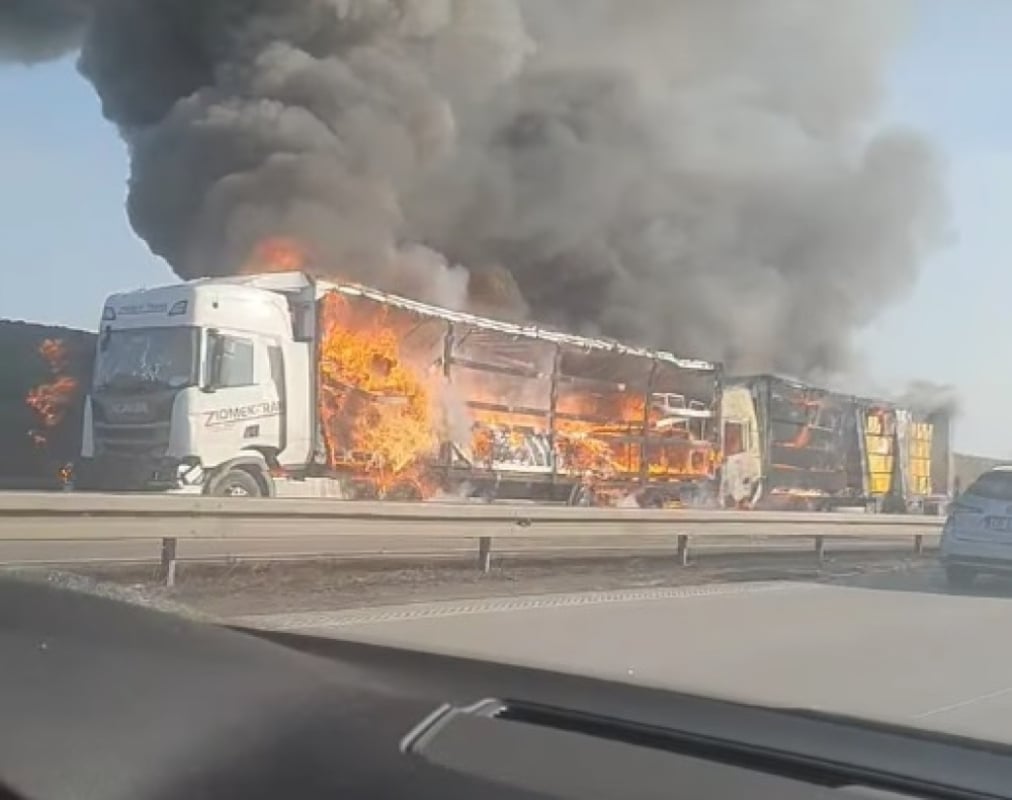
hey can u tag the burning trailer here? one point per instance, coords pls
(279, 384)
(416, 399)
(791, 445)
(42, 386)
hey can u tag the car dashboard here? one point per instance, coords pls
(106, 700)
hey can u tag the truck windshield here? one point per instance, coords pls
(147, 359)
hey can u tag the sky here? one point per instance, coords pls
(952, 81)
(67, 243)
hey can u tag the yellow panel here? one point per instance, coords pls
(919, 450)
(880, 464)
(880, 484)
(882, 445)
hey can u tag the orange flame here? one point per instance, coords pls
(277, 254)
(51, 401)
(376, 408)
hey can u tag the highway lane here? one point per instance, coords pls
(294, 546)
(896, 647)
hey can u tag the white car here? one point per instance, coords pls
(977, 537)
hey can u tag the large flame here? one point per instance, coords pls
(376, 409)
(52, 400)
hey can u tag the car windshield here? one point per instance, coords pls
(658, 340)
(146, 359)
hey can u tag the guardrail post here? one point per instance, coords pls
(820, 548)
(485, 554)
(918, 545)
(168, 569)
(683, 550)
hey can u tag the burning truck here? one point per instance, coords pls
(279, 384)
(787, 444)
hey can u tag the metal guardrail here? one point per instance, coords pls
(171, 518)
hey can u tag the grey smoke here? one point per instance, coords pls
(36, 30)
(699, 176)
(927, 397)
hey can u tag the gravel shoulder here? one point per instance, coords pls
(244, 589)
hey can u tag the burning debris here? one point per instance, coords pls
(653, 170)
(52, 400)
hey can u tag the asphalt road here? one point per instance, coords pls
(294, 546)
(898, 647)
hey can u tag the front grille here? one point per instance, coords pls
(149, 439)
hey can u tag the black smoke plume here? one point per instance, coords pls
(699, 176)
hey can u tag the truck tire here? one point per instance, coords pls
(959, 577)
(237, 483)
(581, 497)
(404, 492)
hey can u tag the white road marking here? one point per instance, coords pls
(963, 703)
(453, 608)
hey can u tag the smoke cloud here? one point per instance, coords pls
(36, 30)
(698, 176)
(931, 398)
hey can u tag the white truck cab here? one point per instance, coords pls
(204, 384)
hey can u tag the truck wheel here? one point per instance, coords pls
(406, 492)
(237, 483)
(581, 497)
(959, 577)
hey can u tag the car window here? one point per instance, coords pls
(993, 486)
